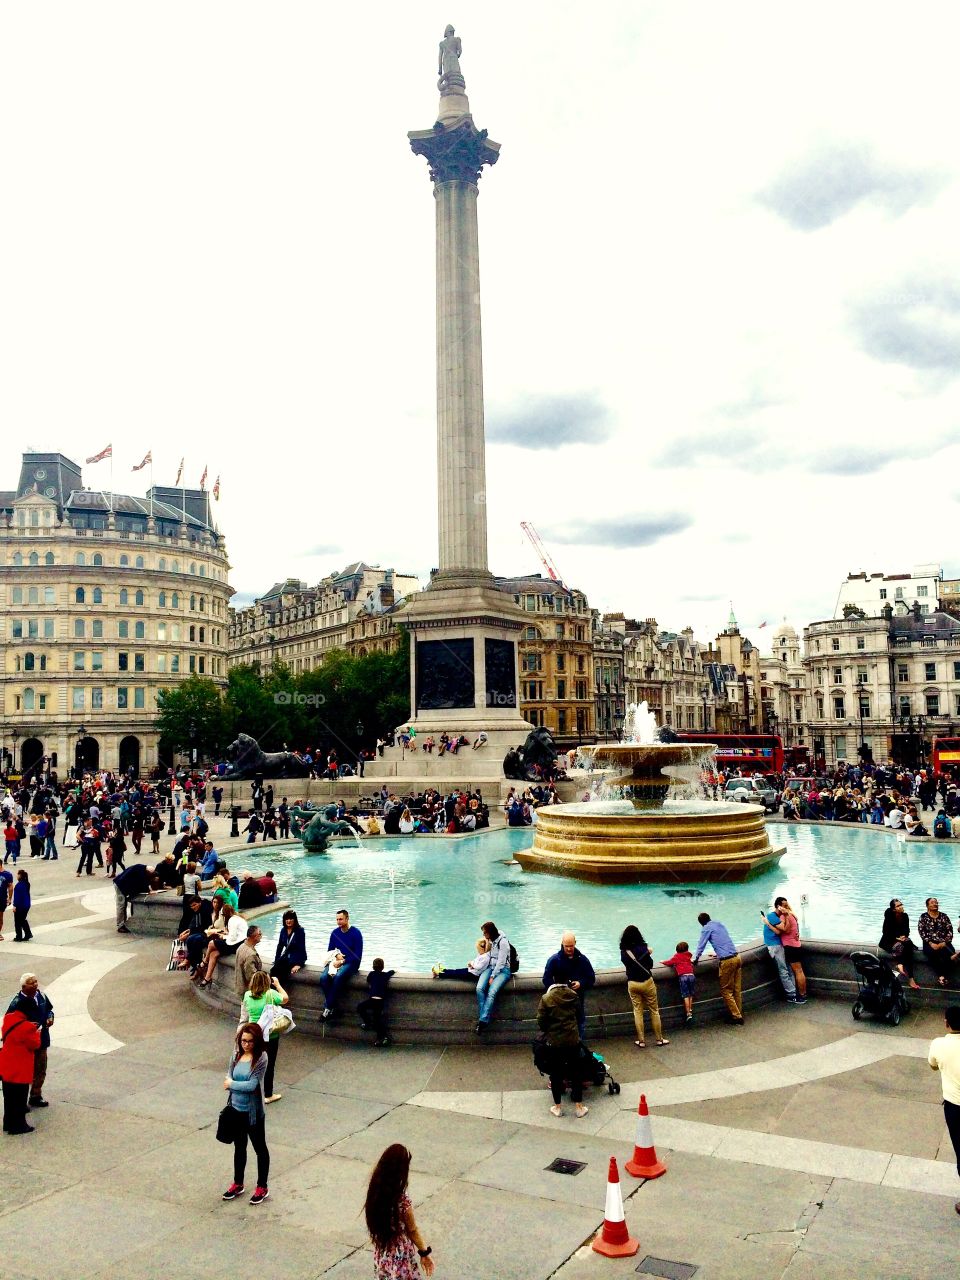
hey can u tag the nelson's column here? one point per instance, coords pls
(463, 630)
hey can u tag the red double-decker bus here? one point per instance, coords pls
(750, 752)
(945, 755)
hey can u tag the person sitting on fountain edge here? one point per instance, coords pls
(570, 968)
(348, 940)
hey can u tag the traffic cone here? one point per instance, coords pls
(614, 1241)
(644, 1162)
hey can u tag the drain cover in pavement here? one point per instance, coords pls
(684, 893)
(560, 1165)
(667, 1269)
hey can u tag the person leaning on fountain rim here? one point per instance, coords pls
(714, 934)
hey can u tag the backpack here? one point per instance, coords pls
(514, 959)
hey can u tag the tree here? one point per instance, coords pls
(195, 702)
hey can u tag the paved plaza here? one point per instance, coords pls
(802, 1144)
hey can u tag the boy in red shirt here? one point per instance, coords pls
(683, 967)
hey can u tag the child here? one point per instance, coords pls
(21, 907)
(474, 968)
(373, 1010)
(12, 838)
(683, 966)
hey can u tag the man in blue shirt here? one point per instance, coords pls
(571, 968)
(773, 926)
(348, 940)
(730, 974)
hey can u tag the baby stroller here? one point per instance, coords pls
(594, 1070)
(879, 990)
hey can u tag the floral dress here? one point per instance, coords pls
(400, 1260)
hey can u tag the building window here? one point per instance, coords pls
(29, 702)
(138, 662)
(193, 636)
(174, 663)
(531, 633)
(956, 704)
(123, 662)
(138, 563)
(561, 721)
(862, 676)
(48, 628)
(840, 745)
(162, 600)
(193, 664)
(162, 663)
(883, 593)
(79, 661)
(898, 594)
(49, 595)
(17, 595)
(193, 603)
(820, 675)
(921, 592)
(80, 596)
(161, 631)
(203, 632)
(175, 600)
(138, 701)
(561, 661)
(905, 708)
(903, 672)
(201, 667)
(121, 698)
(175, 631)
(96, 699)
(79, 628)
(933, 704)
(124, 562)
(48, 558)
(97, 560)
(838, 675)
(956, 671)
(839, 709)
(123, 630)
(559, 630)
(124, 596)
(79, 558)
(561, 688)
(138, 598)
(139, 632)
(929, 671)
(161, 563)
(835, 644)
(78, 699)
(861, 642)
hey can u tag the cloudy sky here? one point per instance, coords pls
(721, 297)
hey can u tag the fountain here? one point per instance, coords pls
(647, 833)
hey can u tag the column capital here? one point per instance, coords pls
(457, 154)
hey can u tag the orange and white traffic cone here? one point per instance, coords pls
(644, 1162)
(614, 1240)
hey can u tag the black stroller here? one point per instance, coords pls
(593, 1068)
(879, 990)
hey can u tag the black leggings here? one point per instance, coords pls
(566, 1065)
(374, 1014)
(273, 1048)
(940, 959)
(24, 932)
(258, 1140)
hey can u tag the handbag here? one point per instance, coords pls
(275, 1018)
(228, 1124)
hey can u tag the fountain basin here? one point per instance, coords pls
(647, 767)
(616, 842)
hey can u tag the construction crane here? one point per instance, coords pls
(544, 555)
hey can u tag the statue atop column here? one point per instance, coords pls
(448, 66)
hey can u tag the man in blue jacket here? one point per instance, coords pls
(348, 940)
(33, 1004)
(571, 968)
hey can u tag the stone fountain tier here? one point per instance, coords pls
(613, 841)
(646, 768)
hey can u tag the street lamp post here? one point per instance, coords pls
(15, 738)
(78, 761)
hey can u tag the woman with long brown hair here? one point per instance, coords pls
(244, 1081)
(397, 1244)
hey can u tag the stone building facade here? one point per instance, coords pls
(105, 599)
(556, 658)
(889, 683)
(783, 690)
(298, 625)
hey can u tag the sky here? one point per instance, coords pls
(719, 277)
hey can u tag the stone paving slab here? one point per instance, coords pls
(313, 1122)
(368, 1072)
(85, 1141)
(823, 1113)
(442, 1143)
(224, 1244)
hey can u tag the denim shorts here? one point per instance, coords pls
(688, 984)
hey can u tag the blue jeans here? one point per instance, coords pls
(488, 988)
(50, 849)
(777, 955)
(331, 986)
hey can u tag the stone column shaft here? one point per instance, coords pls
(461, 470)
